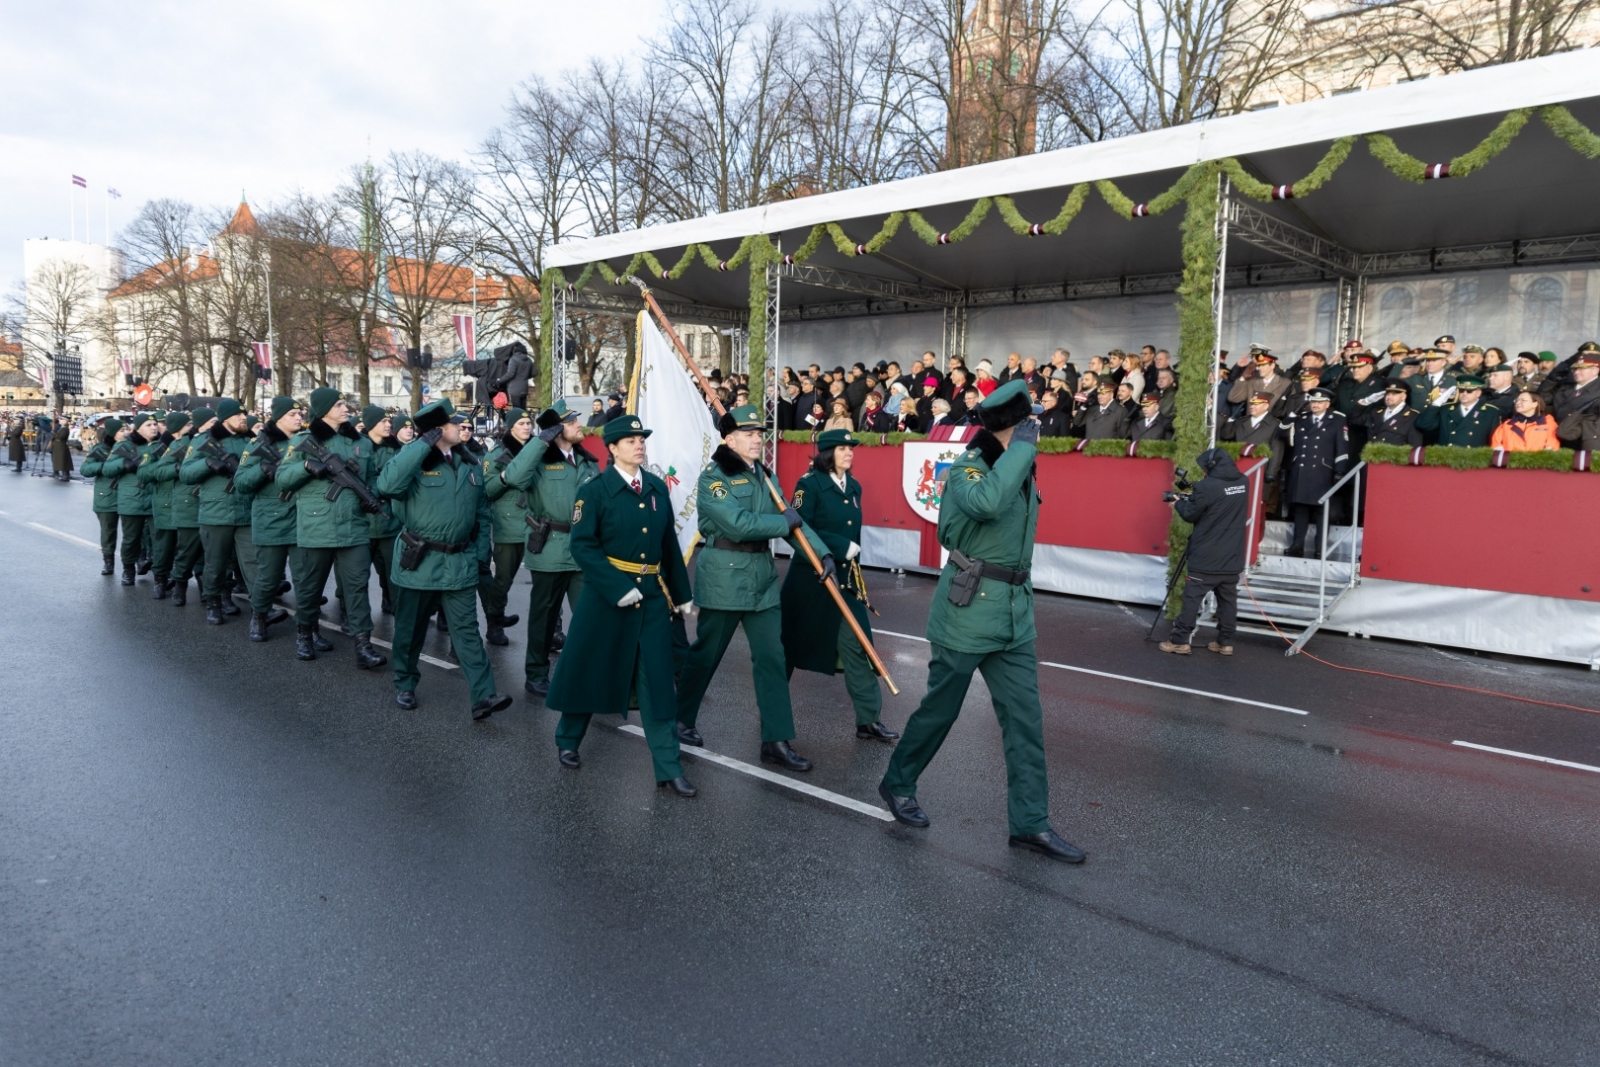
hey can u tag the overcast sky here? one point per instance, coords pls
(203, 100)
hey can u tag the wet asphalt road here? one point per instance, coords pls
(210, 853)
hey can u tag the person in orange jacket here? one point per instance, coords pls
(1529, 429)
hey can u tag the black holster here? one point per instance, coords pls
(413, 548)
(538, 533)
(966, 580)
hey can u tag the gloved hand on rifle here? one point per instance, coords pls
(315, 467)
(829, 570)
(230, 462)
(129, 465)
(218, 464)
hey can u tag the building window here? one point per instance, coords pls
(335, 382)
(388, 385)
(1461, 307)
(306, 384)
(1327, 321)
(1265, 105)
(1394, 315)
(1541, 313)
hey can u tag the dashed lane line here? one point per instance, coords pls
(1528, 756)
(777, 779)
(1135, 681)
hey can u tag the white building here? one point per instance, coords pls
(67, 283)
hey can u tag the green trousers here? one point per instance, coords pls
(133, 538)
(659, 733)
(353, 564)
(860, 680)
(1013, 680)
(764, 631)
(494, 588)
(270, 563)
(108, 532)
(189, 556)
(544, 616)
(412, 610)
(164, 549)
(227, 548)
(382, 551)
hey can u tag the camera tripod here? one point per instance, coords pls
(1177, 573)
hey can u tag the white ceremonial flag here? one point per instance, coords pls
(670, 404)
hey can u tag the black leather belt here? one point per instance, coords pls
(561, 527)
(990, 570)
(449, 548)
(739, 546)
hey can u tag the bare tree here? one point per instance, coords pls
(165, 302)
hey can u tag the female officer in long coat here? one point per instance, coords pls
(814, 636)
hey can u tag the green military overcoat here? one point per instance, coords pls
(811, 619)
(550, 487)
(734, 503)
(610, 521)
(507, 506)
(441, 499)
(383, 524)
(160, 472)
(272, 518)
(320, 522)
(133, 496)
(185, 498)
(989, 510)
(221, 501)
(1471, 430)
(105, 495)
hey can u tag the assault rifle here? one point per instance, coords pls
(325, 464)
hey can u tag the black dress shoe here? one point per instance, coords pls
(496, 635)
(688, 735)
(876, 731)
(405, 698)
(679, 785)
(1051, 845)
(568, 759)
(904, 809)
(780, 753)
(283, 589)
(489, 705)
(539, 687)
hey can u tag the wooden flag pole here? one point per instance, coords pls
(811, 554)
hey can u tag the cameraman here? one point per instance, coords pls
(1218, 508)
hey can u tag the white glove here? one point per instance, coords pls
(687, 608)
(853, 551)
(1368, 401)
(1445, 396)
(633, 597)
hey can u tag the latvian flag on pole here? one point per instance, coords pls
(467, 334)
(81, 183)
(263, 351)
(44, 379)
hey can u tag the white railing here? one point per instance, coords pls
(1325, 550)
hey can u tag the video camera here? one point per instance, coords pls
(1185, 486)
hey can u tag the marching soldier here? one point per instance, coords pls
(224, 510)
(550, 478)
(133, 497)
(1321, 441)
(828, 500)
(620, 651)
(328, 467)
(105, 495)
(379, 428)
(160, 473)
(506, 510)
(437, 494)
(1459, 418)
(189, 559)
(982, 620)
(1395, 423)
(272, 513)
(736, 584)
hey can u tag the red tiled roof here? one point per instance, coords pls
(204, 268)
(243, 222)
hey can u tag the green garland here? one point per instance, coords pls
(1578, 136)
(1469, 459)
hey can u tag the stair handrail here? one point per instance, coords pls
(1323, 547)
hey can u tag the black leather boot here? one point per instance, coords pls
(368, 657)
(108, 565)
(144, 564)
(496, 635)
(302, 643)
(558, 640)
(228, 606)
(127, 574)
(180, 593)
(387, 607)
(505, 621)
(162, 590)
(258, 626)
(318, 642)
(214, 611)
(276, 615)
(344, 619)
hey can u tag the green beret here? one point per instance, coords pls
(371, 415)
(282, 405)
(227, 408)
(743, 417)
(835, 438)
(140, 419)
(1547, 357)
(625, 426)
(202, 416)
(323, 399)
(176, 421)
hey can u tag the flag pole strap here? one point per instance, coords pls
(688, 360)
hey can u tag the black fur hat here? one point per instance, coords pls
(1005, 407)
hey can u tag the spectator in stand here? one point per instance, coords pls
(1147, 358)
(1397, 353)
(897, 397)
(873, 418)
(1320, 439)
(1114, 360)
(1293, 402)
(1446, 344)
(855, 390)
(786, 412)
(1527, 370)
(941, 413)
(1031, 375)
(924, 404)
(1150, 425)
(597, 414)
(1494, 357)
(1098, 366)
(1012, 369)
(1529, 428)
(1103, 419)
(1547, 367)
(1257, 426)
(985, 381)
(1360, 382)
(1167, 389)
(955, 386)
(1501, 394)
(839, 416)
(1056, 418)
(1576, 405)
(616, 410)
(1088, 382)
(1133, 375)
(1458, 417)
(1126, 398)
(1257, 373)
(1062, 370)
(970, 399)
(1395, 422)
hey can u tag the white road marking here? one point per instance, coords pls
(777, 779)
(42, 528)
(1528, 755)
(1135, 681)
(424, 657)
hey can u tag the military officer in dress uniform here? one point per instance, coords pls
(736, 583)
(507, 510)
(224, 510)
(1577, 403)
(1460, 419)
(160, 473)
(331, 532)
(436, 492)
(619, 654)
(1320, 438)
(133, 496)
(1395, 421)
(105, 495)
(982, 620)
(272, 513)
(815, 638)
(547, 477)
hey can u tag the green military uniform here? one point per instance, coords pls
(618, 657)
(1451, 426)
(224, 511)
(105, 496)
(814, 635)
(988, 513)
(548, 483)
(189, 559)
(736, 583)
(506, 512)
(330, 533)
(160, 472)
(383, 527)
(272, 513)
(133, 498)
(439, 500)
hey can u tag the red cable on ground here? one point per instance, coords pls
(1407, 678)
